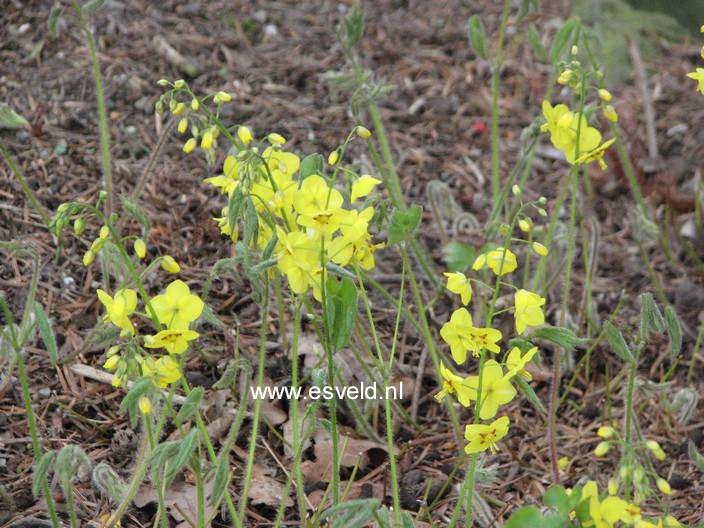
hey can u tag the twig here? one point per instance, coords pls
(639, 72)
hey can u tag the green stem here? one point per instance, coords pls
(104, 137)
(199, 489)
(495, 83)
(159, 487)
(27, 191)
(257, 407)
(300, 491)
(629, 412)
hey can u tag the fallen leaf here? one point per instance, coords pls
(265, 490)
(181, 494)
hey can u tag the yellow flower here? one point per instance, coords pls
(605, 95)
(207, 140)
(353, 236)
(496, 389)
(276, 139)
(162, 371)
(552, 115)
(244, 134)
(453, 384)
(363, 186)
(528, 310)
(178, 306)
(222, 97)
(169, 264)
(563, 463)
(286, 162)
(516, 363)
(462, 336)
(459, 284)
(596, 155)
(119, 308)
(483, 437)
(174, 341)
(699, 77)
(298, 257)
(318, 206)
(496, 261)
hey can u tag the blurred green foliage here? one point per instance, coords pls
(689, 13)
(612, 21)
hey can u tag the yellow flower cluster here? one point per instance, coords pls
(175, 309)
(493, 385)
(565, 126)
(309, 218)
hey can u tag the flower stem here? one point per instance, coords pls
(297, 441)
(495, 83)
(27, 191)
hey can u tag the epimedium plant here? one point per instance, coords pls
(306, 233)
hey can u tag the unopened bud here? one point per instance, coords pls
(180, 83)
(363, 132)
(140, 248)
(601, 449)
(170, 265)
(333, 157)
(88, 257)
(244, 134)
(79, 225)
(183, 125)
(663, 486)
(516, 190)
(104, 232)
(276, 139)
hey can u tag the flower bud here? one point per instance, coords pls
(516, 190)
(610, 113)
(180, 83)
(542, 200)
(540, 249)
(606, 432)
(179, 108)
(144, 405)
(276, 139)
(604, 95)
(207, 140)
(112, 351)
(613, 486)
(655, 449)
(563, 463)
(104, 232)
(163, 82)
(183, 125)
(140, 248)
(88, 257)
(333, 157)
(638, 475)
(102, 195)
(111, 363)
(97, 245)
(542, 212)
(599, 75)
(479, 262)
(525, 225)
(170, 265)
(189, 145)
(601, 449)
(79, 225)
(663, 486)
(504, 229)
(574, 50)
(363, 132)
(244, 134)
(223, 97)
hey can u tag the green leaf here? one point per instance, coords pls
(522, 9)
(560, 336)
(41, 471)
(556, 497)
(46, 331)
(11, 119)
(477, 37)
(342, 309)
(265, 265)
(269, 249)
(129, 402)
(534, 40)
(139, 214)
(458, 255)
(222, 480)
(340, 271)
(530, 393)
(403, 224)
(526, 517)
(311, 164)
(618, 343)
(674, 331)
(92, 6)
(209, 316)
(233, 208)
(162, 454)
(563, 37)
(190, 405)
(251, 222)
(650, 316)
(695, 456)
(188, 444)
(406, 519)
(54, 16)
